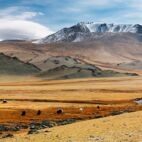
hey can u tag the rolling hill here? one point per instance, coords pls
(107, 46)
(13, 66)
(68, 68)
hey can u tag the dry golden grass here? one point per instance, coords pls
(84, 89)
(110, 94)
(122, 128)
(68, 94)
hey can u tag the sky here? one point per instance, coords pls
(34, 19)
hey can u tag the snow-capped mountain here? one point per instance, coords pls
(97, 28)
(83, 31)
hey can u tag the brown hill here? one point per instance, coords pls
(107, 51)
(13, 66)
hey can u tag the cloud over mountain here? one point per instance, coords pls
(22, 29)
(18, 24)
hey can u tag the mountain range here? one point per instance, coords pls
(83, 50)
(89, 31)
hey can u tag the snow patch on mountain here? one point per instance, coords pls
(83, 31)
(114, 28)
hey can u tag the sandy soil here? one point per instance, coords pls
(122, 128)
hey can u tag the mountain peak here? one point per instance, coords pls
(83, 30)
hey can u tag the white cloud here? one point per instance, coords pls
(25, 15)
(22, 29)
(18, 24)
(8, 11)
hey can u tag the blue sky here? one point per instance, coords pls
(56, 14)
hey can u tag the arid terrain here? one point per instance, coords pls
(72, 91)
(70, 71)
(124, 128)
(114, 55)
(30, 107)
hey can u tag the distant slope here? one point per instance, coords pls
(136, 65)
(106, 48)
(13, 66)
(69, 68)
(105, 51)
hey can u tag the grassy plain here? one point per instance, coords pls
(79, 99)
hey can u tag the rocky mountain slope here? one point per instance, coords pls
(86, 31)
(106, 46)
